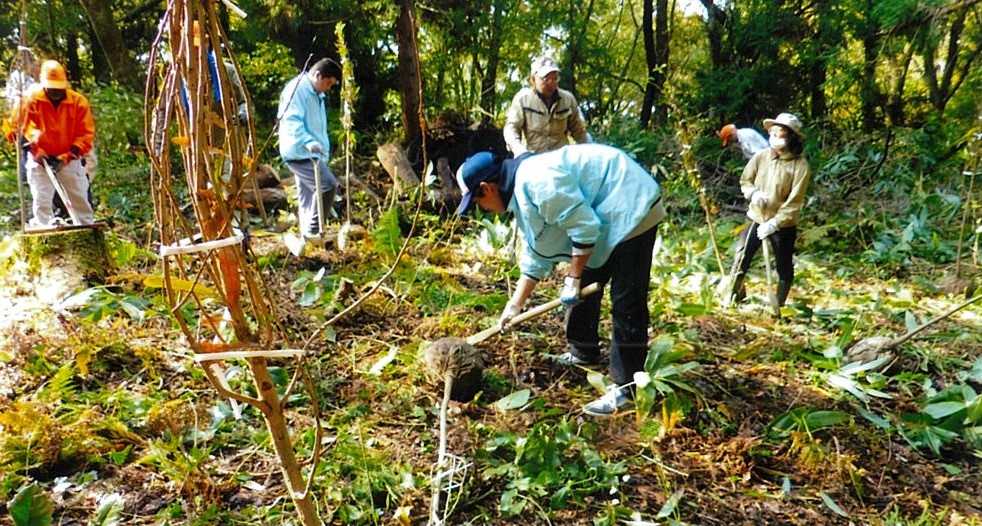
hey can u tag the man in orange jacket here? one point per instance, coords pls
(57, 124)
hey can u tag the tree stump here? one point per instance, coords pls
(60, 261)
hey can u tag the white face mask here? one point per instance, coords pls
(778, 143)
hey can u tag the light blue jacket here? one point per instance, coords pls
(588, 194)
(303, 120)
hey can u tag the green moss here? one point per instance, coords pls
(84, 248)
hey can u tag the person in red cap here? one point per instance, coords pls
(57, 124)
(749, 139)
(543, 117)
(774, 183)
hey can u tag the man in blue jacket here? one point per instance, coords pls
(304, 143)
(593, 206)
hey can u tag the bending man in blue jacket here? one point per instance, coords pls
(593, 206)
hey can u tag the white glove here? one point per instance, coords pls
(759, 199)
(766, 228)
(510, 312)
(315, 147)
(571, 291)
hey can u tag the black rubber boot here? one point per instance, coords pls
(783, 288)
(738, 291)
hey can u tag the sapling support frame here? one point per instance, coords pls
(217, 297)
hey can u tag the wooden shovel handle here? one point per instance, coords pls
(527, 315)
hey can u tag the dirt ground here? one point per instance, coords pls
(718, 459)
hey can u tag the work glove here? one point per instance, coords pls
(243, 114)
(571, 291)
(54, 162)
(511, 310)
(766, 228)
(315, 147)
(758, 199)
(72, 154)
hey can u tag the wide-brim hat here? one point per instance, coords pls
(787, 120)
(478, 168)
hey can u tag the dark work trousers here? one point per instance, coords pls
(628, 270)
(782, 243)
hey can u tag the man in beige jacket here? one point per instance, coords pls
(543, 117)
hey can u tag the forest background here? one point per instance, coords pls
(888, 91)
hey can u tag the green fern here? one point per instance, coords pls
(388, 235)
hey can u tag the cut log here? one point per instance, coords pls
(397, 165)
(274, 198)
(266, 176)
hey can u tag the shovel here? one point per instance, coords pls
(527, 315)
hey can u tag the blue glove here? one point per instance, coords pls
(766, 228)
(571, 291)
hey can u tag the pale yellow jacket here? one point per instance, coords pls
(783, 178)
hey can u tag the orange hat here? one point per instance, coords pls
(53, 75)
(727, 133)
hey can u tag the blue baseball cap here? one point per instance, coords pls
(477, 169)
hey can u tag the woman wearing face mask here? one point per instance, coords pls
(774, 182)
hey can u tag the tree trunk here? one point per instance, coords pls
(655, 29)
(408, 72)
(715, 23)
(110, 42)
(869, 92)
(661, 58)
(647, 30)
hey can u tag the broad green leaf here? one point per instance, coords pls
(943, 409)
(30, 507)
(183, 285)
(875, 419)
(822, 419)
(910, 321)
(515, 400)
(974, 413)
(597, 380)
(858, 367)
(109, 511)
(670, 504)
(847, 384)
(832, 505)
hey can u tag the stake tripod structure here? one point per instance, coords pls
(221, 303)
(23, 51)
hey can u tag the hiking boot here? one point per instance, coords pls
(569, 358)
(616, 399)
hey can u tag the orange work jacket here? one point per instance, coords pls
(53, 131)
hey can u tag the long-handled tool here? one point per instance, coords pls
(320, 198)
(527, 315)
(771, 294)
(61, 191)
(449, 360)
